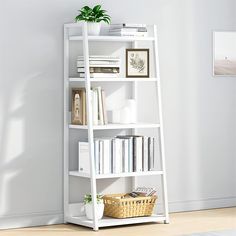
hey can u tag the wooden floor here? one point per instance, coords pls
(181, 223)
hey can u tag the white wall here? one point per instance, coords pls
(199, 111)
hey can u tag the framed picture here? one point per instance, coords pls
(78, 106)
(224, 53)
(137, 62)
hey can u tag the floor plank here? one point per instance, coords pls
(181, 224)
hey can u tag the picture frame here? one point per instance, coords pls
(224, 53)
(78, 106)
(137, 63)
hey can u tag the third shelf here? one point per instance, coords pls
(119, 175)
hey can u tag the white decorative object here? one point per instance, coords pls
(115, 116)
(89, 210)
(94, 28)
(131, 104)
(125, 115)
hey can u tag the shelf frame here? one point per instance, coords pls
(85, 39)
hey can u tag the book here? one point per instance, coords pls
(95, 106)
(100, 107)
(106, 156)
(96, 156)
(145, 153)
(100, 75)
(151, 159)
(105, 119)
(83, 157)
(141, 29)
(100, 70)
(99, 58)
(138, 153)
(100, 63)
(117, 155)
(121, 25)
(138, 34)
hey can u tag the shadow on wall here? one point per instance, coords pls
(30, 148)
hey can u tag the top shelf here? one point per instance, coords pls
(112, 38)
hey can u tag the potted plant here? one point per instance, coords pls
(89, 206)
(94, 16)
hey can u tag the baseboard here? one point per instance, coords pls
(202, 204)
(29, 220)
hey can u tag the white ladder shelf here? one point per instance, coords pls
(72, 212)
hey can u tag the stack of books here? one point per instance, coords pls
(79, 111)
(100, 66)
(128, 30)
(122, 154)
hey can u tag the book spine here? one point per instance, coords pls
(126, 155)
(101, 170)
(95, 106)
(83, 157)
(151, 159)
(96, 155)
(130, 154)
(106, 156)
(139, 153)
(104, 107)
(145, 153)
(100, 107)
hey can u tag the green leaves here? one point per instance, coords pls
(88, 198)
(95, 14)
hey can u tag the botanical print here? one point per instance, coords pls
(137, 63)
(225, 53)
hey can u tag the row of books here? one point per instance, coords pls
(122, 154)
(99, 66)
(79, 112)
(139, 30)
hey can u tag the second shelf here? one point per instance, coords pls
(117, 126)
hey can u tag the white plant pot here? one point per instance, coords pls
(94, 28)
(89, 210)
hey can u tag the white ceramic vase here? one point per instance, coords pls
(89, 210)
(94, 28)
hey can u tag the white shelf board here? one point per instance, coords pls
(107, 221)
(116, 126)
(109, 176)
(73, 79)
(112, 38)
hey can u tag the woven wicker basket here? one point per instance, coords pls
(117, 207)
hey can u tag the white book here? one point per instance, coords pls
(145, 153)
(128, 30)
(99, 63)
(121, 25)
(125, 153)
(99, 58)
(95, 106)
(132, 34)
(96, 156)
(104, 108)
(83, 157)
(100, 75)
(101, 159)
(106, 156)
(138, 153)
(100, 107)
(131, 154)
(151, 159)
(117, 155)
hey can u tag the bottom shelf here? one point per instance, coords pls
(107, 221)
